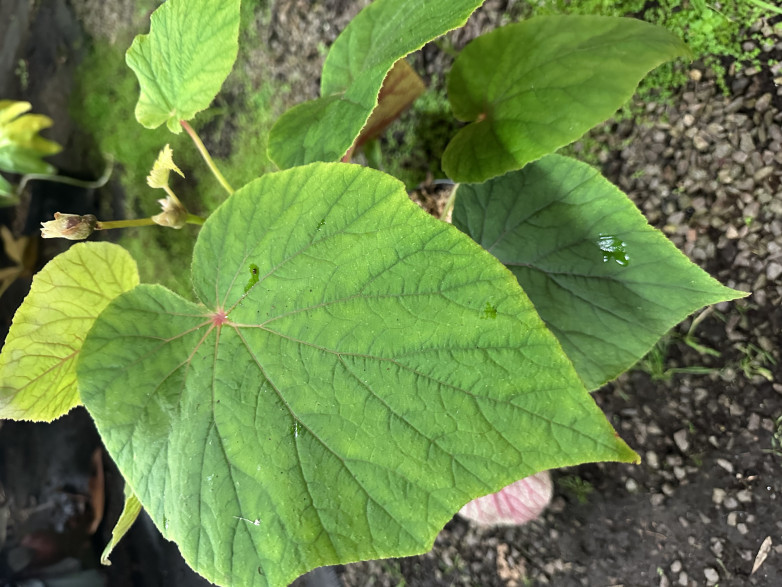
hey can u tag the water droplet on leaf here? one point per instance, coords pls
(613, 248)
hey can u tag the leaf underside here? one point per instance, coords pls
(324, 129)
(533, 87)
(38, 359)
(607, 284)
(354, 372)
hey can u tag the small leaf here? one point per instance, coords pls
(607, 284)
(357, 63)
(21, 148)
(338, 392)
(532, 87)
(38, 360)
(164, 164)
(130, 512)
(184, 60)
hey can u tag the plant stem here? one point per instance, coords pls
(109, 224)
(171, 193)
(449, 203)
(766, 6)
(193, 219)
(100, 182)
(207, 157)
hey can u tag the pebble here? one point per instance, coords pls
(773, 270)
(712, 576)
(681, 441)
(725, 464)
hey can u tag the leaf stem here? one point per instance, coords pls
(449, 203)
(109, 224)
(207, 157)
(766, 6)
(171, 193)
(193, 219)
(100, 182)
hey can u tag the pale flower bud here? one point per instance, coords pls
(174, 214)
(70, 226)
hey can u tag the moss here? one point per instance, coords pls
(715, 32)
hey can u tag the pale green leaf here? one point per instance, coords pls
(532, 87)
(164, 164)
(21, 148)
(354, 372)
(357, 63)
(11, 109)
(38, 360)
(606, 283)
(184, 60)
(130, 512)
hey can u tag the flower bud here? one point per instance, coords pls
(174, 214)
(70, 226)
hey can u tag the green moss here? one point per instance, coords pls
(714, 31)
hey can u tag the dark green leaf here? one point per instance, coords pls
(532, 87)
(606, 283)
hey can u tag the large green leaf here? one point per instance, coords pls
(532, 87)
(606, 283)
(354, 373)
(184, 60)
(357, 63)
(38, 360)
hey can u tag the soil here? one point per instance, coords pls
(703, 507)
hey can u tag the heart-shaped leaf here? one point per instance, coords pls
(357, 63)
(38, 360)
(354, 373)
(184, 60)
(606, 283)
(532, 87)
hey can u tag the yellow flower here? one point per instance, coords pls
(70, 226)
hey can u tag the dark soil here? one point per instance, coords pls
(697, 511)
